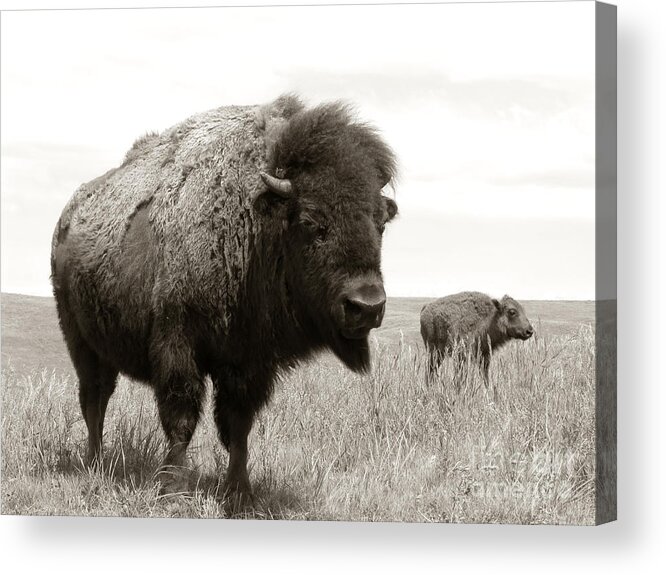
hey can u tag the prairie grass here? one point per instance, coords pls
(333, 445)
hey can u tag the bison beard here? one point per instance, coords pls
(233, 245)
(354, 353)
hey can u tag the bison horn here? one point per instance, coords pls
(282, 187)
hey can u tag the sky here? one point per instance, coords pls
(489, 108)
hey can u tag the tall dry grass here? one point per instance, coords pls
(333, 445)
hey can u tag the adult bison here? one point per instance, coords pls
(233, 245)
(471, 322)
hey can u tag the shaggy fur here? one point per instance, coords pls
(180, 264)
(479, 322)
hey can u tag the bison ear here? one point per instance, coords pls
(391, 208)
(497, 305)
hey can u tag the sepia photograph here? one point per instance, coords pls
(287, 262)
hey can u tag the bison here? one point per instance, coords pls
(234, 245)
(472, 322)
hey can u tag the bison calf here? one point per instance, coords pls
(473, 321)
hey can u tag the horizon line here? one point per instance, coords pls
(12, 293)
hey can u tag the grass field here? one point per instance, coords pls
(331, 445)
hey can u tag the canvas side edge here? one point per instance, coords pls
(606, 262)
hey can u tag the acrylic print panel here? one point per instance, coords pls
(273, 340)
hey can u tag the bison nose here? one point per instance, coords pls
(363, 309)
(529, 332)
(370, 311)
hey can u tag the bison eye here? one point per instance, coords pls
(314, 230)
(321, 233)
(512, 312)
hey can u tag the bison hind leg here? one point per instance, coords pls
(97, 377)
(97, 382)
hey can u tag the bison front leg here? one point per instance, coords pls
(235, 424)
(237, 399)
(179, 416)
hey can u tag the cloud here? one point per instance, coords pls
(395, 86)
(488, 116)
(44, 172)
(582, 177)
(435, 255)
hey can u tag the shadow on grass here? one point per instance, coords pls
(267, 501)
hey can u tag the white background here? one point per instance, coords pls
(489, 111)
(635, 543)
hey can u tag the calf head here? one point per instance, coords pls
(512, 320)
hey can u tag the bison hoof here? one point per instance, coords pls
(94, 462)
(237, 503)
(237, 497)
(173, 481)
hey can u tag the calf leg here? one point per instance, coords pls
(460, 371)
(485, 368)
(430, 366)
(434, 361)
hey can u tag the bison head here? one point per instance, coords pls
(512, 319)
(330, 171)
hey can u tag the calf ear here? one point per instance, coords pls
(391, 208)
(497, 304)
